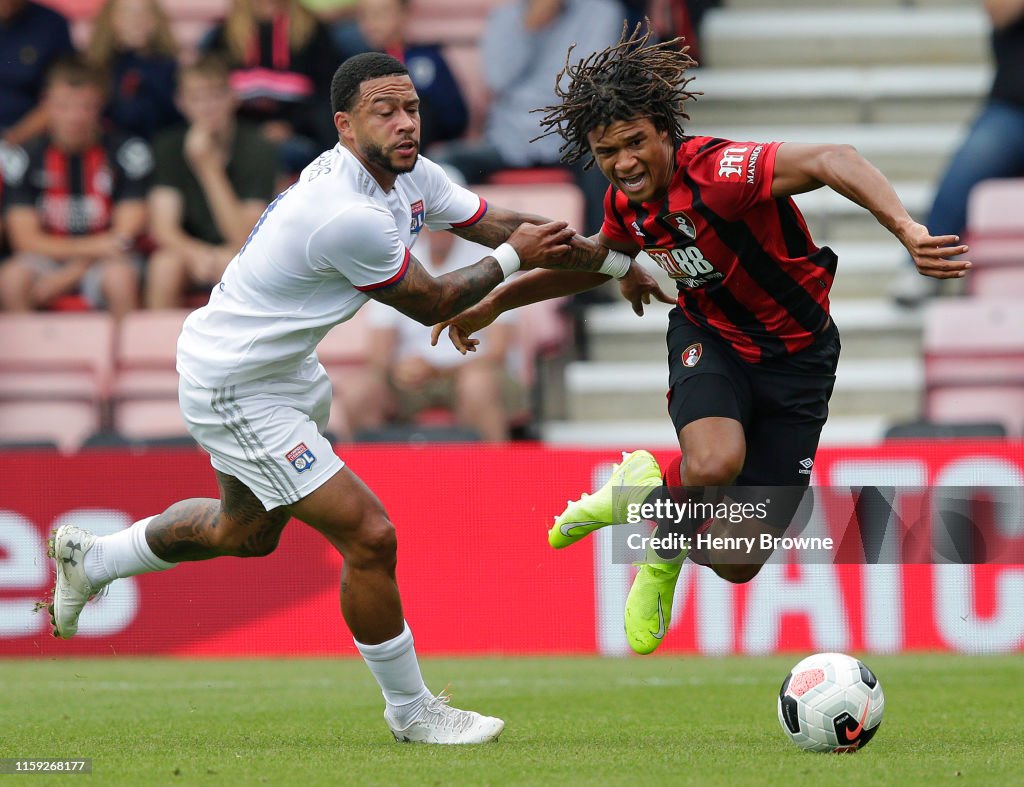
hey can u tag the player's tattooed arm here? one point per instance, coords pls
(430, 300)
(425, 298)
(498, 224)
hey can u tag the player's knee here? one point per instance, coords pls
(376, 543)
(712, 468)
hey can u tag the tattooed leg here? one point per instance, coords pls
(203, 528)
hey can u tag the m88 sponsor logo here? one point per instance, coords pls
(687, 265)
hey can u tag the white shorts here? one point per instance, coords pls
(266, 433)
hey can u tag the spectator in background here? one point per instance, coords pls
(522, 51)
(993, 148)
(32, 38)
(340, 18)
(443, 113)
(406, 376)
(282, 60)
(214, 177)
(673, 18)
(76, 206)
(132, 41)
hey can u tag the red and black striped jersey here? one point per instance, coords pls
(75, 194)
(743, 261)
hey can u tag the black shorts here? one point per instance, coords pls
(782, 403)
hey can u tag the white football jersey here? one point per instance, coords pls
(308, 263)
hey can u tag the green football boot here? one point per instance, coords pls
(630, 483)
(649, 605)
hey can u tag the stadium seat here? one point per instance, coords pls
(149, 419)
(563, 200)
(344, 348)
(996, 282)
(449, 21)
(974, 361)
(145, 355)
(66, 424)
(190, 19)
(1003, 404)
(531, 176)
(974, 340)
(56, 356)
(995, 233)
(541, 330)
(346, 345)
(145, 389)
(993, 208)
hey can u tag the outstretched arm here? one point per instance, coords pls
(429, 300)
(800, 168)
(637, 286)
(499, 223)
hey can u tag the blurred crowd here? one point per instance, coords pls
(131, 169)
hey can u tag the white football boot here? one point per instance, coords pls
(439, 722)
(71, 590)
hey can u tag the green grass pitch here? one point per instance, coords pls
(657, 720)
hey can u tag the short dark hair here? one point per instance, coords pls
(76, 71)
(356, 70)
(210, 65)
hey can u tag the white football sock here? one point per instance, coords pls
(394, 665)
(123, 554)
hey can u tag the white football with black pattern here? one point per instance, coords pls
(831, 702)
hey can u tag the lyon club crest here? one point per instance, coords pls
(416, 210)
(301, 458)
(692, 354)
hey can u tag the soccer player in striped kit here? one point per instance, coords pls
(752, 347)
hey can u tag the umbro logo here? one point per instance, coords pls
(805, 466)
(637, 230)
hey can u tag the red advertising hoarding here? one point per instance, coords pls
(476, 573)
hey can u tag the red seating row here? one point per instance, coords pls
(974, 361)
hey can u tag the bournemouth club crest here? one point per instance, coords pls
(679, 223)
(692, 355)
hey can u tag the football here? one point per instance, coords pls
(831, 702)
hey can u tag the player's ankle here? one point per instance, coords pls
(403, 715)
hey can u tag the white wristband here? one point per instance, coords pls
(508, 259)
(616, 264)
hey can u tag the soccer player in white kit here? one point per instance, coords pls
(256, 398)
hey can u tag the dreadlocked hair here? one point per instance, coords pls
(632, 79)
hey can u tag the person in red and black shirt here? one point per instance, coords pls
(76, 203)
(752, 348)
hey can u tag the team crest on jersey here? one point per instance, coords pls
(416, 209)
(301, 458)
(679, 222)
(692, 355)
